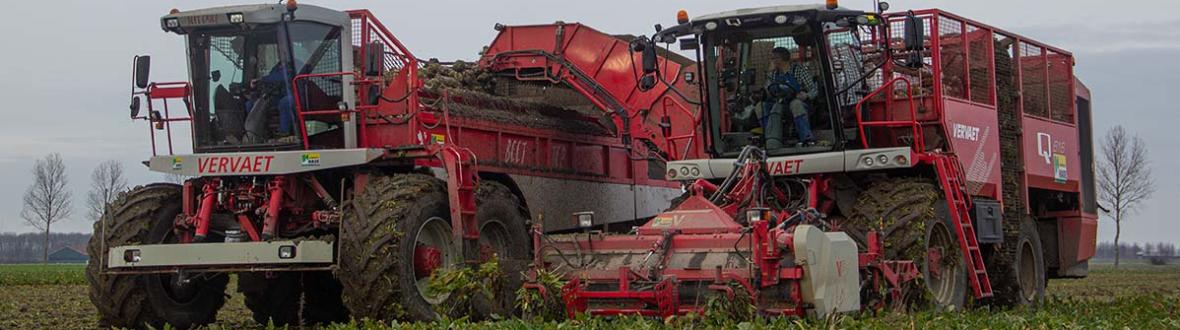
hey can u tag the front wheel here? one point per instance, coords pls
(911, 216)
(393, 236)
(145, 216)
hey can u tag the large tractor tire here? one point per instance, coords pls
(1017, 269)
(272, 300)
(322, 299)
(503, 228)
(383, 227)
(293, 298)
(145, 215)
(910, 214)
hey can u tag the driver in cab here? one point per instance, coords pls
(789, 86)
(266, 89)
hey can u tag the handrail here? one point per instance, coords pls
(163, 91)
(359, 109)
(919, 141)
(669, 102)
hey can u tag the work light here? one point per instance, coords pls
(236, 18)
(585, 219)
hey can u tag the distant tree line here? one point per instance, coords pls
(1106, 250)
(27, 247)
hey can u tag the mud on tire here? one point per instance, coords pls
(377, 247)
(906, 211)
(503, 226)
(145, 215)
(293, 298)
(1017, 269)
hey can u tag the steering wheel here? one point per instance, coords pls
(263, 88)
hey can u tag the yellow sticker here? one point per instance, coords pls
(310, 159)
(438, 139)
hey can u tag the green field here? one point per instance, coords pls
(1134, 296)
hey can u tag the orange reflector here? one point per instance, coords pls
(291, 5)
(174, 11)
(833, 4)
(682, 16)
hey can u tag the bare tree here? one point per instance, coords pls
(1124, 177)
(106, 182)
(47, 200)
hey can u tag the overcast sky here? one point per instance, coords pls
(65, 72)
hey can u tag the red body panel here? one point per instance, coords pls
(975, 139)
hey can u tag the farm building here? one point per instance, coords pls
(67, 255)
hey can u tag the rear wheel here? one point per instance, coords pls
(1018, 269)
(145, 215)
(293, 298)
(910, 214)
(394, 234)
(272, 300)
(503, 232)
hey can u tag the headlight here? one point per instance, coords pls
(780, 19)
(672, 173)
(287, 252)
(883, 159)
(236, 18)
(172, 23)
(131, 256)
(869, 161)
(696, 172)
(711, 26)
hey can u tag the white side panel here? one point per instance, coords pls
(824, 162)
(261, 163)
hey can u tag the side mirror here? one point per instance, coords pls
(374, 59)
(650, 64)
(215, 76)
(914, 32)
(134, 107)
(143, 65)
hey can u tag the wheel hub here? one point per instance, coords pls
(426, 260)
(934, 261)
(434, 249)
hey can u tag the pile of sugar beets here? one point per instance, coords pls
(472, 92)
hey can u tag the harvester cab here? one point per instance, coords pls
(785, 78)
(791, 80)
(256, 71)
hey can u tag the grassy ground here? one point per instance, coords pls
(1134, 296)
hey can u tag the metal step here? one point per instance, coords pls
(950, 176)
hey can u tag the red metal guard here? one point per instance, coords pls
(163, 121)
(919, 144)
